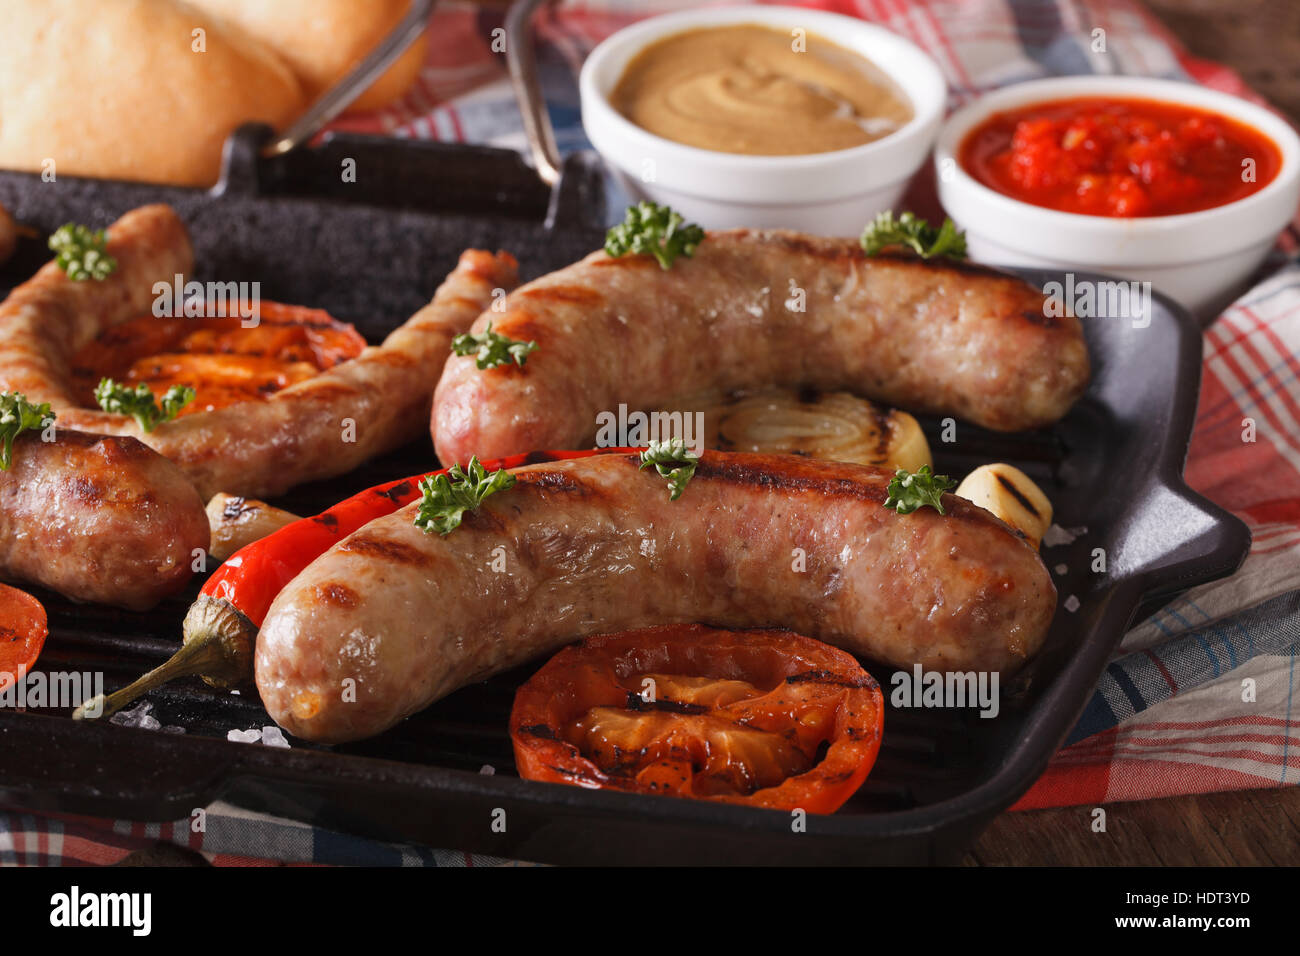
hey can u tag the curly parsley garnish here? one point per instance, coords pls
(663, 455)
(492, 349)
(651, 229)
(81, 253)
(916, 234)
(907, 492)
(139, 402)
(18, 415)
(447, 497)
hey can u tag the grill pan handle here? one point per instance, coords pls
(1181, 540)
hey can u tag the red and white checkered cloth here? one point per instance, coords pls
(1200, 699)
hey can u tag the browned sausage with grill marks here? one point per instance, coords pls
(98, 518)
(317, 428)
(391, 619)
(755, 309)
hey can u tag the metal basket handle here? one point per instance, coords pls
(521, 59)
(337, 98)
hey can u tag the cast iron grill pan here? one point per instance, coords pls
(371, 253)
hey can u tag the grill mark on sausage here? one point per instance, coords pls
(519, 326)
(1017, 494)
(808, 246)
(788, 479)
(572, 294)
(1040, 318)
(560, 482)
(834, 252)
(339, 595)
(461, 301)
(81, 488)
(233, 509)
(392, 358)
(384, 549)
(480, 519)
(322, 390)
(115, 450)
(802, 245)
(624, 262)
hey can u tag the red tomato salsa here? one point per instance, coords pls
(1119, 157)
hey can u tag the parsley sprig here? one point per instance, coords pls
(18, 415)
(914, 233)
(651, 229)
(492, 349)
(80, 252)
(447, 497)
(664, 455)
(139, 402)
(907, 492)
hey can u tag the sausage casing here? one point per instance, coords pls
(317, 428)
(755, 309)
(99, 518)
(390, 619)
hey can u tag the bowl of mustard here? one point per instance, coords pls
(765, 117)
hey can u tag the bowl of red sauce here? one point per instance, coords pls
(1150, 180)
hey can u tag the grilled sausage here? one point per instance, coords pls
(256, 449)
(755, 308)
(98, 518)
(391, 619)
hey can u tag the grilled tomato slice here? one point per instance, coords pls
(765, 718)
(23, 629)
(222, 360)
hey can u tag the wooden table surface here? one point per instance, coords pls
(1260, 39)
(1246, 828)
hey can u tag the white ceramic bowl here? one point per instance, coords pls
(833, 193)
(1200, 259)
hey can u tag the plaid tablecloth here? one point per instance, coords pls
(1200, 698)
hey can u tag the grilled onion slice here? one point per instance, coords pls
(836, 426)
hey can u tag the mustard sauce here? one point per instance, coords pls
(759, 91)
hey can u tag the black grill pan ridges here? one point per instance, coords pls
(372, 252)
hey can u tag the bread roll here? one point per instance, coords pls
(117, 90)
(322, 40)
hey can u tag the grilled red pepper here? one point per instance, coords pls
(222, 624)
